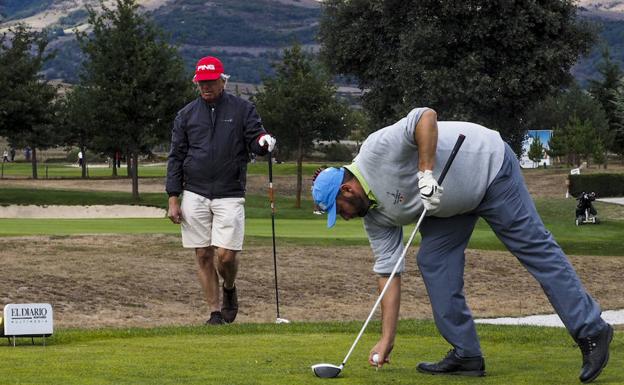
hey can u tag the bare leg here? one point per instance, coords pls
(208, 277)
(227, 266)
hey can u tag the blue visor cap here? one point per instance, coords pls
(325, 190)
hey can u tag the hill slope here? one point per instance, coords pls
(247, 35)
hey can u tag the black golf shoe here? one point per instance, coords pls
(595, 351)
(452, 364)
(229, 308)
(215, 319)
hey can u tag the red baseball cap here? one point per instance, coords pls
(208, 68)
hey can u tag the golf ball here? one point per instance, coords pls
(376, 358)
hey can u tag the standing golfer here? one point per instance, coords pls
(210, 144)
(390, 181)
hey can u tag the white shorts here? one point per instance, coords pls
(212, 222)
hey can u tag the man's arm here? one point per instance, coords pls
(426, 138)
(174, 212)
(387, 246)
(175, 174)
(254, 130)
(390, 305)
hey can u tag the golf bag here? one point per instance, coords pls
(585, 211)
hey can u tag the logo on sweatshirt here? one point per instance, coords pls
(398, 197)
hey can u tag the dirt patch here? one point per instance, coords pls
(256, 184)
(150, 280)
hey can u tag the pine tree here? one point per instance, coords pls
(135, 78)
(299, 106)
(536, 150)
(27, 107)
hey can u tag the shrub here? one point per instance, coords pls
(338, 152)
(603, 184)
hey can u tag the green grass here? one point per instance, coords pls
(46, 197)
(146, 170)
(66, 170)
(270, 354)
(290, 168)
(300, 225)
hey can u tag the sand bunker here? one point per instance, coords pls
(75, 212)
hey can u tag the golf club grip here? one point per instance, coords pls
(449, 161)
(270, 166)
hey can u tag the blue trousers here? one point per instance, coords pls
(509, 210)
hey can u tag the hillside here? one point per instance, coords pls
(609, 18)
(247, 35)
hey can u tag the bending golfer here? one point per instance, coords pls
(210, 144)
(394, 177)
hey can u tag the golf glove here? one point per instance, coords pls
(430, 191)
(268, 141)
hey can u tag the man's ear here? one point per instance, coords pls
(346, 188)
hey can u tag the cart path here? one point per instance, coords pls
(613, 317)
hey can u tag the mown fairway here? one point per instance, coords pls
(300, 225)
(271, 354)
(66, 170)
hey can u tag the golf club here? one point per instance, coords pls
(278, 320)
(331, 371)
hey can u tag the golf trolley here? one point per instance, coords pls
(585, 211)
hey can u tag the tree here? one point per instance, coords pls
(137, 79)
(558, 145)
(618, 101)
(484, 61)
(605, 91)
(360, 126)
(536, 150)
(79, 121)
(583, 139)
(27, 109)
(568, 108)
(577, 140)
(299, 106)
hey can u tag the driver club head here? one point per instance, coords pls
(326, 370)
(282, 321)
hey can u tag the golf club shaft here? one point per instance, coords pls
(460, 141)
(271, 199)
(385, 288)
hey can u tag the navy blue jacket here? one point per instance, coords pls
(210, 146)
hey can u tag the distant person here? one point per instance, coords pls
(210, 144)
(391, 181)
(27, 154)
(5, 156)
(80, 160)
(117, 159)
(12, 152)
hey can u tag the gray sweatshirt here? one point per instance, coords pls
(388, 160)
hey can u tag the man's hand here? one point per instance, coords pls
(383, 350)
(430, 191)
(174, 213)
(267, 141)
